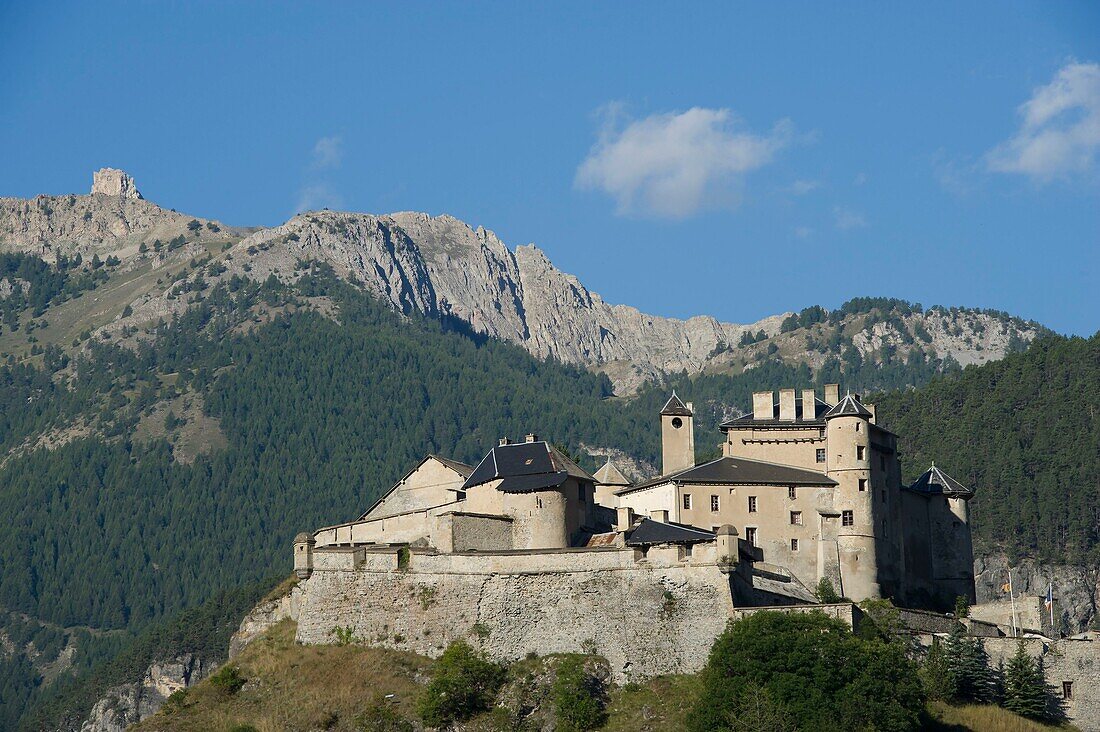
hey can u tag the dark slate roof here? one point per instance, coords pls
(935, 481)
(647, 532)
(739, 471)
(849, 406)
(818, 412)
(525, 467)
(675, 408)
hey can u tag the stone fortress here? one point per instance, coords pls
(526, 552)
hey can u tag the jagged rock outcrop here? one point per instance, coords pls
(130, 703)
(114, 182)
(112, 219)
(263, 617)
(442, 267)
(1076, 588)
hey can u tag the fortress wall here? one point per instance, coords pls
(1076, 661)
(645, 620)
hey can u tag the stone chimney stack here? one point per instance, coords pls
(659, 515)
(114, 182)
(809, 404)
(832, 394)
(624, 518)
(504, 441)
(762, 404)
(530, 437)
(786, 405)
(871, 409)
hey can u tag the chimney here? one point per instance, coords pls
(762, 405)
(530, 437)
(690, 406)
(832, 394)
(504, 441)
(809, 404)
(871, 409)
(659, 515)
(624, 518)
(786, 405)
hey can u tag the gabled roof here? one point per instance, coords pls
(849, 406)
(647, 532)
(675, 408)
(739, 471)
(462, 469)
(524, 467)
(935, 481)
(814, 414)
(609, 474)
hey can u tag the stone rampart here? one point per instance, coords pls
(1066, 661)
(646, 618)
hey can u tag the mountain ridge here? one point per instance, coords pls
(445, 268)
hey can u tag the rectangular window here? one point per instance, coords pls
(750, 535)
(861, 451)
(863, 484)
(883, 491)
(882, 461)
(821, 454)
(1067, 689)
(847, 518)
(714, 504)
(687, 501)
(792, 493)
(794, 545)
(752, 504)
(796, 518)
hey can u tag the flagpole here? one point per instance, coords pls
(1012, 601)
(1050, 604)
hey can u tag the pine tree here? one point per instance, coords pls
(935, 673)
(1025, 688)
(969, 667)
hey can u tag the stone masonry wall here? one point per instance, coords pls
(1076, 661)
(645, 620)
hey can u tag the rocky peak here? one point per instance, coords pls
(114, 182)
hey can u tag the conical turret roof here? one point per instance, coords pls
(610, 474)
(675, 408)
(849, 406)
(935, 480)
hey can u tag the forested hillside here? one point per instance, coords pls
(1025, 432)
(151, 468)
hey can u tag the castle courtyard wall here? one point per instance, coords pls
(647, 618)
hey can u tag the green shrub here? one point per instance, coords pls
(228, 680)
(805, 671)
(825, 591)
(579, 697)
(464, 682)
(380, 716)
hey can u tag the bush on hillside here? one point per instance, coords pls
(579, 697)
(805, 671)
(464, 682)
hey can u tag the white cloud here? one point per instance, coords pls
(847, 219)
(328, 153)
(803, 232)
(318, 196)
(802, 187)
(1060, 134)
(674, 164)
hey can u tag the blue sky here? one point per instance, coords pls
(725, 159)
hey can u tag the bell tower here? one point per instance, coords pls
(677, 436)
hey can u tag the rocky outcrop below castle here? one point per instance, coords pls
(130, 703)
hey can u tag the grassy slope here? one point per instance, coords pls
(332, 687)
